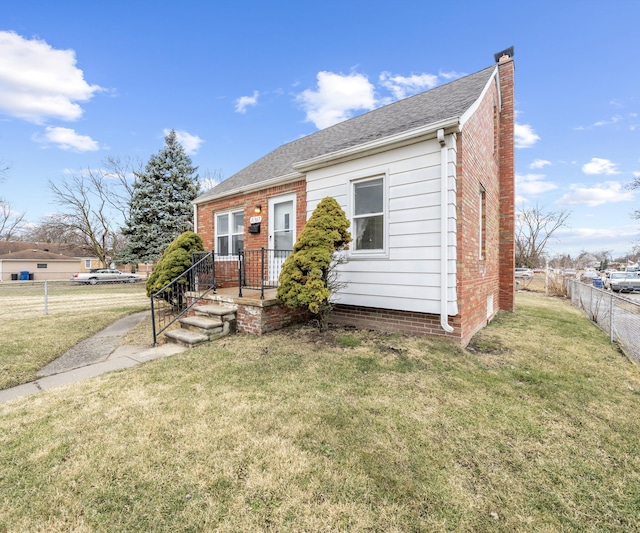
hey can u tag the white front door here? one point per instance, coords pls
(282, 231)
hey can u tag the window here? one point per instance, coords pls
(230, 233)
(482, 222)
(87, 263)
(368, 215)
(42, 265)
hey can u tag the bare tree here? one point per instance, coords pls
(4, 168)
(209, 179)
(12, 223)
(95, 205)
(534, 228)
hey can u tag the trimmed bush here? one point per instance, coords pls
(175, 260)
(308, 277)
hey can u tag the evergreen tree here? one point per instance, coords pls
(160, 207)
(308, 276)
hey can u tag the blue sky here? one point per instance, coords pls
(81, 81)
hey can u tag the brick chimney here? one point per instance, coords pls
(507, 179)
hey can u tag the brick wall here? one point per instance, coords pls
(247, 201)
(506, 73)
(257, 319)
(483, 161)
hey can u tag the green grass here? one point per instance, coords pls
(534, 428)
(31, 339)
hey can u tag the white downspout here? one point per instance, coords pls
(444, 231)
(195, 218)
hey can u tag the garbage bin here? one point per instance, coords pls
(597, 282)
(24, 275)
(14, 277)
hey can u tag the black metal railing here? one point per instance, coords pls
(178, 296)
(260, 269)
(249, 270)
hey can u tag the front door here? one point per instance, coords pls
(282, 232)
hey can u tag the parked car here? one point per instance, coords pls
(105, 275)
(524, 273)
(623, 281)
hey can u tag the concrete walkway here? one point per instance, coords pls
(92, 357)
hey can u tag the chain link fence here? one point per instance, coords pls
(39, 298)
(614, 314)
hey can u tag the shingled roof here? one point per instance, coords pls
(442, 103)
(35, 255)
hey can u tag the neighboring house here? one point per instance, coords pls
(37, 265)
(428, 184)
(88, 260)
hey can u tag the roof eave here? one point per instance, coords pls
(474, 107)
(280, 180)
(398, 140)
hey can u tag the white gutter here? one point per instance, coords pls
(280, 180)
(379, 145)
(444, 231)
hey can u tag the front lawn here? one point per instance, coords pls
(535, 428)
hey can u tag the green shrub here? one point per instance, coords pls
(175, 260)
(308, 277)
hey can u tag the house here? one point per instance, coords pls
(44, 261)
(37, 265)
(428, 184)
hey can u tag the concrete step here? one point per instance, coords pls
(216, 310)
(202, 324)
(187, 338)
(210, 322)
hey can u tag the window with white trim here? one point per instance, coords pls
(368, 215)
(87, 263)
(229, 233)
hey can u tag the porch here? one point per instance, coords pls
(258, 310)
(245, 283)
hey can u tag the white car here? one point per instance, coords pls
(105, 275)
(623, 281)
(524, 273)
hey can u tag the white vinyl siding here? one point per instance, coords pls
(405, 275)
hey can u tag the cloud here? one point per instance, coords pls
(452, 75)
(336, 98)
(245, 101)
(38, 82)
(615, 119)
(532, 184)
(609, 192)
(525, 137)
(600, 166)
(612, 120)
(67, 139)
(539, 163)
(190, 143)
(403, 86)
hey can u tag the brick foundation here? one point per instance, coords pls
(257, 316)
(395, 321)
(258, 320)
